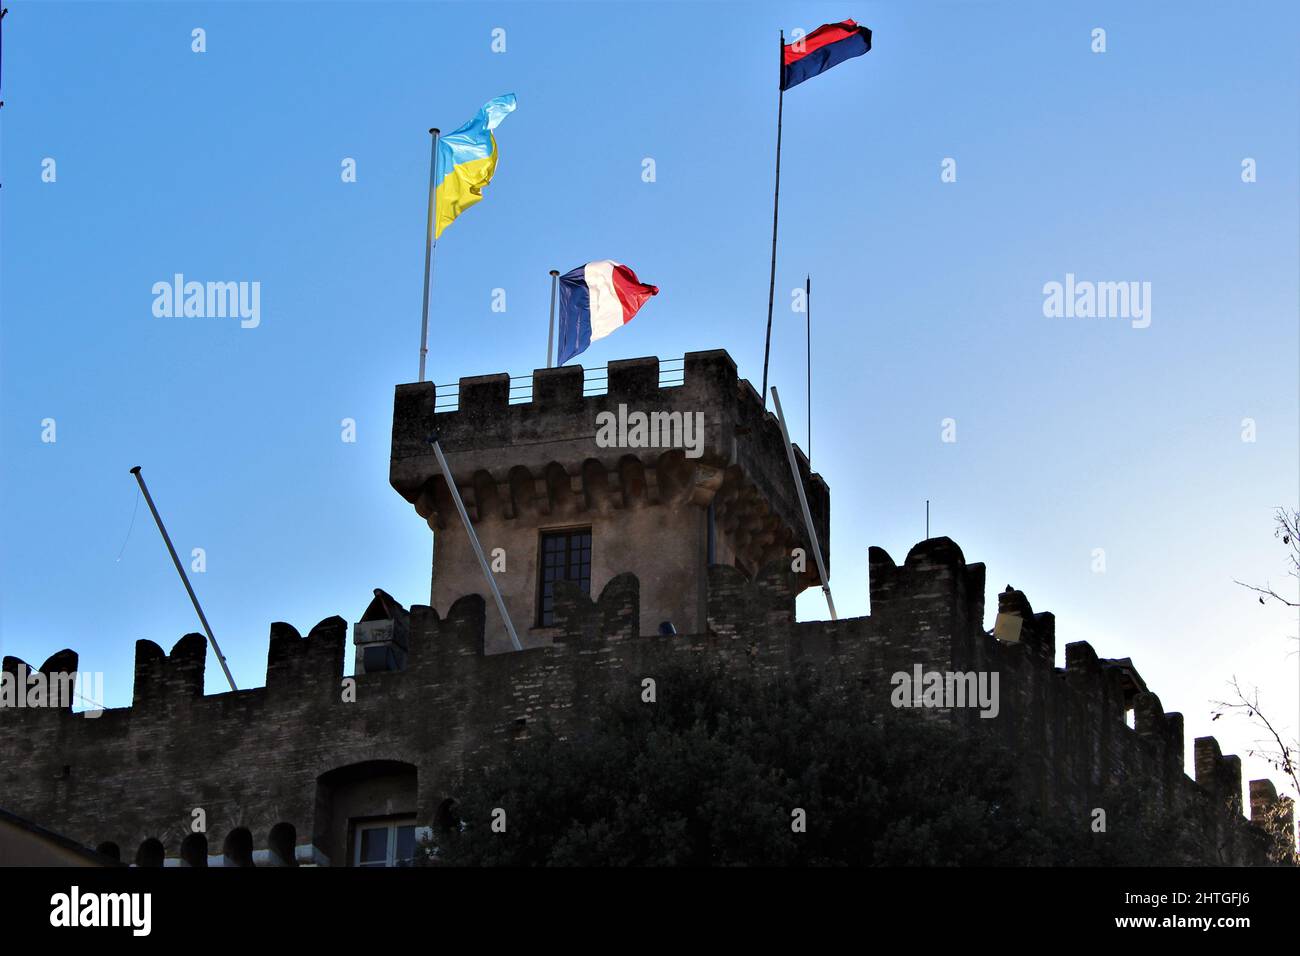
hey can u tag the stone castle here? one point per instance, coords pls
(612, 562)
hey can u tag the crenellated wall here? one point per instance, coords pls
(487, 433)
(279, 770)
(539, 465)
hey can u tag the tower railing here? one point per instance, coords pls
(595, 381)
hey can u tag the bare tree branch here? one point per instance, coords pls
(1266, 592)
(1277, 751)
(1280, 753)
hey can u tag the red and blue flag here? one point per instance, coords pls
(822, 49)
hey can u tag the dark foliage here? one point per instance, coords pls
(710, 773)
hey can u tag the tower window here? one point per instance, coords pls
(566, 556)
(383, 843)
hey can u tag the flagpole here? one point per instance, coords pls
(807, 306)
(550, 334)
(432, 442)
(3, 13)
(221, 658)
(803, 505)
(428, 252)
(776, 200)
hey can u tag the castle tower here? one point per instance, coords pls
(584, 477)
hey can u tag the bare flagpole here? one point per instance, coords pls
(807, 306)
(3, 13)
(432, 441)
(803, 505)
(221, 658)
(550, 335)
(428, 251)
(776, 201)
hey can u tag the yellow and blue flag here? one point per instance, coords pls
(467, 158)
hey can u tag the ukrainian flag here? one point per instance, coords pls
(467, 158)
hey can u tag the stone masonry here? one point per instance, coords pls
(282, 772)
(262, 758)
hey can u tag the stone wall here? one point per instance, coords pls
(522, 467)
(276, 763)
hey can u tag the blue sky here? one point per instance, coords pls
(1072, 434)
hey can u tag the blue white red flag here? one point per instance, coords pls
(596, 299)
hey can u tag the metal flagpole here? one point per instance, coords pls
(473, 539)
(807, 306)
(550, 335)
(803, 504)
(3, 13)
(776, 202)
(221, 658)
(428, 252)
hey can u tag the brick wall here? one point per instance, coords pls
(252, 759)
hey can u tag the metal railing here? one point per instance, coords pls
(595, 381)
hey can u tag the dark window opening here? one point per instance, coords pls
(566, 556)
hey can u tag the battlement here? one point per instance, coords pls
(287, 757)
(660, 479)
(542, 457)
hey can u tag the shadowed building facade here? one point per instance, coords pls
(550, 496)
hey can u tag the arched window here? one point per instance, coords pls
(366, 814)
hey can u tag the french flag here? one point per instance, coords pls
(596, 299)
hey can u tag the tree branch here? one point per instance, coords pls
(1283, 758)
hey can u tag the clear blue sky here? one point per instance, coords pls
(1072, 434)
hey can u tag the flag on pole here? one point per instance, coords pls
(596, 299)
(828, 45)
(467, 158)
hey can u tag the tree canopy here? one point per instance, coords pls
(713, 772)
